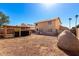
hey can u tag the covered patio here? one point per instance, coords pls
(14, 31)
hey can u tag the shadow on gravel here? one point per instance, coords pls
(70, 53)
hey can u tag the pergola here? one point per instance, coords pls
(10, 30)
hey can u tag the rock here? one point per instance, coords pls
(68, 41)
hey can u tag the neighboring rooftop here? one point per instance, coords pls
(16, 26)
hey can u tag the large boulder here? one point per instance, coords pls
(68, 41)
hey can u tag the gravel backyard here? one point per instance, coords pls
(33, 45)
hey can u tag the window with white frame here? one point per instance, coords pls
(49, 22)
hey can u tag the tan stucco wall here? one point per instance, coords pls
(44, 25)
(77, 31)
(57, 24)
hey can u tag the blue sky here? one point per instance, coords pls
(30, 13)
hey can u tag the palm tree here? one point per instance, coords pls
(3, 19)
(70, 22)
(76, 16)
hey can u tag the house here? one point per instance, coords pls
(14, 31)
(48, 27)
(32, 27)
(62, 28)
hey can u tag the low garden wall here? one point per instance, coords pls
(77, 31)
(53, 33)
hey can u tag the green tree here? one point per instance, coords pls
(77, 26)
(76, 16)
(3, 19)
(70, 22)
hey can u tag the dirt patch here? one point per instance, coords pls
(33, 45)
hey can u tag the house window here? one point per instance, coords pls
(49, 22)
(36, 24)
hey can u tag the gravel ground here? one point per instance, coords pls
(33, 45)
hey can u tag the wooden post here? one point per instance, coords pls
(5, 31)
(20, 32)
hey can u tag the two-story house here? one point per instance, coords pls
(49, 27)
